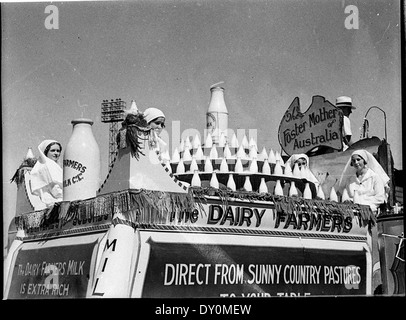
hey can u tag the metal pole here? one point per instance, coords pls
(384, 117)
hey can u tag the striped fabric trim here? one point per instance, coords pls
(178, 182)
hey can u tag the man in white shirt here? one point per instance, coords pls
(345, 104)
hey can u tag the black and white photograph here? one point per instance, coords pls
(228, 150)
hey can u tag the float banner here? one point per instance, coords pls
(206, 270)
(319, 126)
(52, 272)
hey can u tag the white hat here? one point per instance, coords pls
(344, 101)
(152, 113)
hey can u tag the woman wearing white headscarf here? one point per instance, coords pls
(364, 179)
(302, 161)
(47, 175)
(155, 119)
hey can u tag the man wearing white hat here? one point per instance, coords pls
(345, 104)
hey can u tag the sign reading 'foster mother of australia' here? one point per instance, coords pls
(319, 126)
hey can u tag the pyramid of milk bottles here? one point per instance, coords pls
(238, 166)
(226, 162)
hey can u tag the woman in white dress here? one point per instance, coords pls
(365, 180)
(47, 174)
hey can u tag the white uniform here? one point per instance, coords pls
(370, 188)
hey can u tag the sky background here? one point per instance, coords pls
(167, 54)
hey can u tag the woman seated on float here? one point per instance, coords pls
(364, 180)
(47, 175)
(152, 120)
(301, 160)
(155, 119)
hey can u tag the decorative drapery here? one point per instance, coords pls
(154, 207)
(293, 204)
(137, 206)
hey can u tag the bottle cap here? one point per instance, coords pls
(82, 120)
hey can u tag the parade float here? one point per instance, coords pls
(220, 218)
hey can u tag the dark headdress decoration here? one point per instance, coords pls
(134, 128)
(18, 176)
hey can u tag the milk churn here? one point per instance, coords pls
(81, 163)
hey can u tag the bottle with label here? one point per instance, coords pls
(217, 114)
(81, 163)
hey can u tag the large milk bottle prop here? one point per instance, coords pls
(217, 114)
(81, 163)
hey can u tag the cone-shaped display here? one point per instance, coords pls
(333, 194)
(222, 140)
(182, 146)
(307, 193)
(29, 155)
(227, 152)
(253, 154)
(244, 142)
(209, 141)
(213, 152)
(266, 168)
(208, 166)
(278, 171)
(263, 155)
(214, 183)
(133, 108)
(166, 158)
(345, 196)
(320, 193)
(186, 154)
(253, 166)
(296, 171)
(231, 182)
(262, 186)
(199, 153)
(193, 165)
(196, 142)
(292, 189)
(234, 142)
(247, 184)
(196, 179)
(252, 143)
(271, 158)
(223, 166)
(279, 157)
(238, 166)
(278, 188)
(288, 171)
(188, 144)
(175, 156)
(241, 153)
(180, 168)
